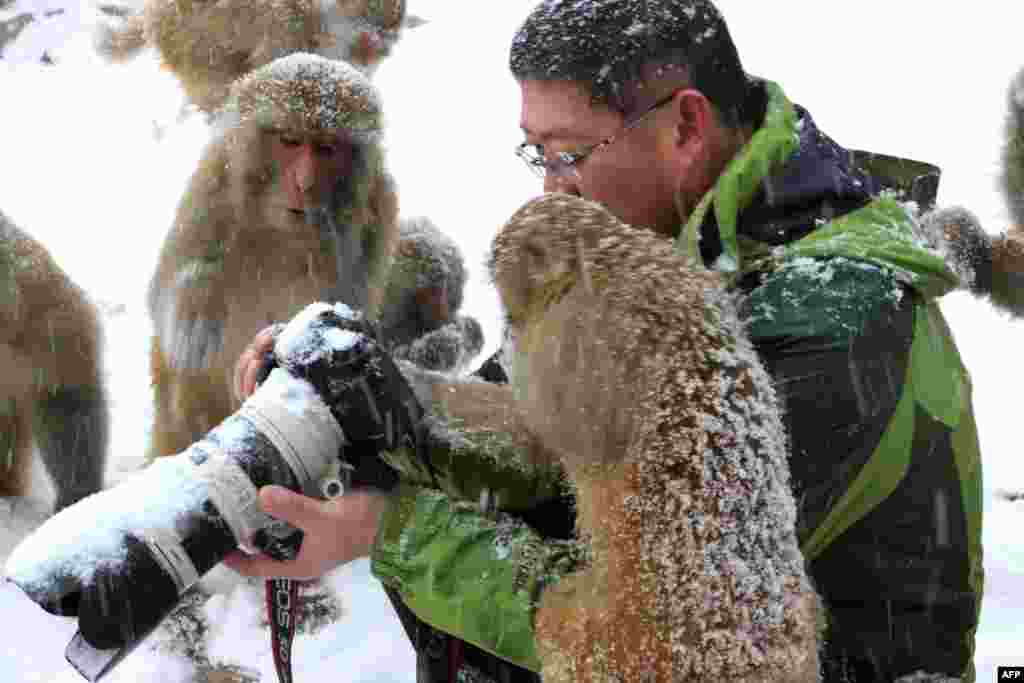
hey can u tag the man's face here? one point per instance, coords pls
(632, 177)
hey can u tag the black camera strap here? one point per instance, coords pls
(282, 611)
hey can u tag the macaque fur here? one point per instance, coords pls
(991, 266)
(633, 369)
(209, 44)
(419, 318)
(1007, 282)
(237, 259)
(52, 392)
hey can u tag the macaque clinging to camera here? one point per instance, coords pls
(290, 204)
(634, 369)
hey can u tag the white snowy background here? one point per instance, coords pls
(92, 162)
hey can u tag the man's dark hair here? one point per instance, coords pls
(606, 45)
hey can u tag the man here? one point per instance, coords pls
(644, 107)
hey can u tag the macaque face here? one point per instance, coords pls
(310, 166)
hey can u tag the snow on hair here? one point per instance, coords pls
(606, 43)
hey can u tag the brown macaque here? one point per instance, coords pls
(208, 44)
(52, 393)
(291, 204)
(419, 319)
(990, 266)
(633, 368)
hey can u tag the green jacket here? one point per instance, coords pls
(840, 302)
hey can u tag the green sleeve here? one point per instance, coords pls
(467, 574)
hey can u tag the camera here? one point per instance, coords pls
(330, 402)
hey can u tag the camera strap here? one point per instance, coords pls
(282, 611)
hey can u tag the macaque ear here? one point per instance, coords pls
(519, 265)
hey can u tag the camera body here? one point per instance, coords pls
(120, 560)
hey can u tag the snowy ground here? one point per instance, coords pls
(92, 162)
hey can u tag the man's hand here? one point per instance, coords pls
(337, 531)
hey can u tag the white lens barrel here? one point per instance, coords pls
(233, 494)
(293, 417)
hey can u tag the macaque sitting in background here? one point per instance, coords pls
(52, 393)
(208, 44)
(633, 368)
(419, 319)
(991, 267)
(292, 204)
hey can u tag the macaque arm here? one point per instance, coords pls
(477, 445)
(495, 568)
(495, 565)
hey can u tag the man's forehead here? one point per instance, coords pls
(561, 109)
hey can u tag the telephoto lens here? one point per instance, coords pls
(120, 560)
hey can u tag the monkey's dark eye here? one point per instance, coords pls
(325, 149)
(289, 140)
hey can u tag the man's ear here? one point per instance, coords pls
(691, 144)
(693, 123)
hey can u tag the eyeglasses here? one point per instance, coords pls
(565, 163)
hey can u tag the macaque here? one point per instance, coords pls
(291, 204)
(52, 393)
(632, 367)
(419, 318)
(991, 267)
(207, 45)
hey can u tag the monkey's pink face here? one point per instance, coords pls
(311, 167)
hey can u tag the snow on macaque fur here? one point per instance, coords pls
(207, 45)
(634, 369)
(52, 393)
(247, 250)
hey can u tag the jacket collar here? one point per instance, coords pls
(792, 181)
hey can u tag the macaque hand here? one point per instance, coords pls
(253, 359)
